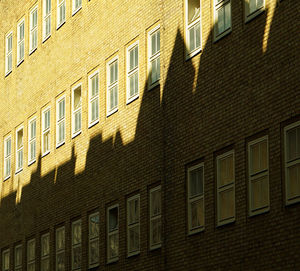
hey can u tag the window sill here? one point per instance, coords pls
(224, 223)
(46, 153)
(222, 35)
(192, 54)
(93, 123)
(253, 15)
(75, 11)
(8, 73)
(31, 162)
(132, 99)
(18, 171)
(194, 231)
(20, 62)
(154, 247)
(153, 85)
(60, 25)
(32, 51)
(112, 112)
(46, 38)
(92, 266)
(259, 212)
(110, 261)
(60, 144)
(6, 178)
(76, 134)
(293, 201)
(132, 254)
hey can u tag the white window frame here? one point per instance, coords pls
(60, 121)
(59, 251)
(7, 251)
(250, 15)
(113, 232)
(132, 225)
(93, 239)
(31, 140)
(32, 261)
(46, 130)
(60, 5)
(76, 111)
(20, 42)
(7, 157)
(225, 187)
(92, 99)
(33, 30)
(191, 199)
(287, 164)
(46, 16)
(129, 72)
(18, 267)
(154, 217)
(19, 150)
(47, 256)
(189, 53)
(9, 53)
(76, 245)
(257, 175)
(111, 111)
(217, 6)
(74, 8)
(153, 57)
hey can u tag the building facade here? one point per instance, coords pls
(162, 135)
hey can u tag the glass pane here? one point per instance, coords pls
(292, 144)
(254, 158)
(197, 214)
(20, 139)
(263, 155)
(45, 245)
(221, 20)
(260, 4)
(227, 16)
(113, 219)
(192, 38)
(158, 41)
(226, 204)
(18, 256)
(6, 260)
(136, 56)
(76, 257)
(226, 170)
(113, 246)
(156, 231)
(193, 10)
(196, 181)
(45, 264)
(94, 226)
(134, 238)
(60, 261)
(60, 239)
(133, 209)
(260, 193)
(31, 251)
(252, 5)
(31, 267)
(155, 202)
(131, 85)
(293, 181)
(153, 71)
(76, 234)
(94, 251)
(153, 44)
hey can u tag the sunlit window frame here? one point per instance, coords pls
(249, 16)
(217, 6)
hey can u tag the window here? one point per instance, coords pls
(76, 245)
(33, 29)
(112, 86)
(258, 176)
(45, 252)
(113, 233)
(60, 249)
(292, 163)
(76, 6)
(46, 131)
(5, 260)
(154, 57)
(8, 62)
(222, 13)
(93, 98)
(133, 225)
(7, 157)
(193, 27)
(31, 255)
(76, 110)
(60, 121)
(93, 240)
(195, 198)
(61, 12)
(225, 188)
(47, 19)
(253, 8)
(18, 258)
(19, 150)
(132, 72)
(155, 217)
(32, 141)
(21, 41)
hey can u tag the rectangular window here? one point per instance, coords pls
(5, 260)
(258, 166)
(132, 72)
(225, 188)
(193, 27)
(21, 41)
(19, 149)
(18, 258)
(93, 240)
(253, 8)
(93, 98)
(195, 185)
(112, 86)
(76, 245)
(61, 12)
(46, 19)
(31, 255)
(46, 131)
(222, 13)
(8, 62)
(155, 217)
(76, 6)
(33, 29)
(60, 249)
(45, 252)
(76, 110)
(154, 56)
(113, 233)
(7, 157)
(60, 121)
(292, 163)
(133, 225)
(32, 141)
